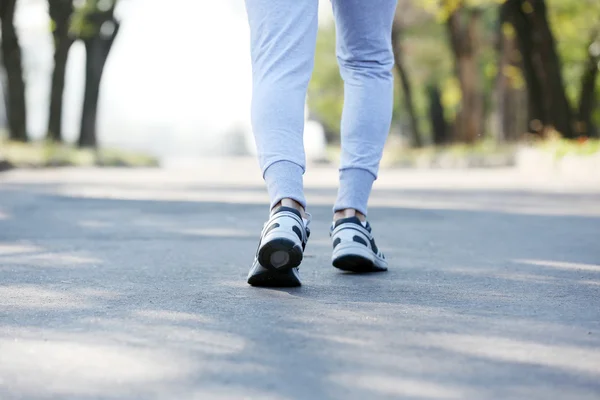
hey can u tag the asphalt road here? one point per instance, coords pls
(130, 284)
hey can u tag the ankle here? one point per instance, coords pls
(348, 213)
(292, 204)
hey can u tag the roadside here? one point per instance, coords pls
(567, 159)
(46, 154)
(570, 159)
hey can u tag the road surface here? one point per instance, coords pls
(130, 284)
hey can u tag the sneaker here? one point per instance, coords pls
(280, 251)
(354, 248)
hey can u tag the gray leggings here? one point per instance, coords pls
(283, 38)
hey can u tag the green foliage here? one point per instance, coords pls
(326, 89)
(485, 153)
(49, 154)
(443, 8)
(575, 24)
(428, 59)
(429, 62)
(560, 147)
(85, 22)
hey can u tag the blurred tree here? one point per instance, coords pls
(576, 26)
(516, 64)
(465, 95)
(436, 115)
(510, 97)
(588, 98)
(60, 15)
(464, 33)
(548, 105)
(3, 99)
(429, 61)
(95, 24)
(326, 88)
(403, 74)
(15, 85)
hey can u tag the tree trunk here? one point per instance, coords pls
(548, 104)
(97, 49)
(509, 120)
(60, 12)
(588, 96)
(436, 116)
(463, 38)
(406, 86)
(61, 54)
(500, 130)
(4, 100)
(11, 55)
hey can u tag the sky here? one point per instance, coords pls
(177, 81)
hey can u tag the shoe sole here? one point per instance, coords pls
(280, 255)
(269, 278)
(354, 263)
(355, 258)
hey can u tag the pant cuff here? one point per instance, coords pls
(284, 181)
(355, 189)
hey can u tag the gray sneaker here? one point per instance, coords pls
(280, 250)
(354, 247)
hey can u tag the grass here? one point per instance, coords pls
(48, 154)
(485, 153)
(560, 147)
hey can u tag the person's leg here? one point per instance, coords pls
(366, 59)
(283, 39)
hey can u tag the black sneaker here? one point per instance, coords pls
(280, 251)
(354, 248)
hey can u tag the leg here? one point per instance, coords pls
(364, 51)
(366, 59)
(283, 39)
